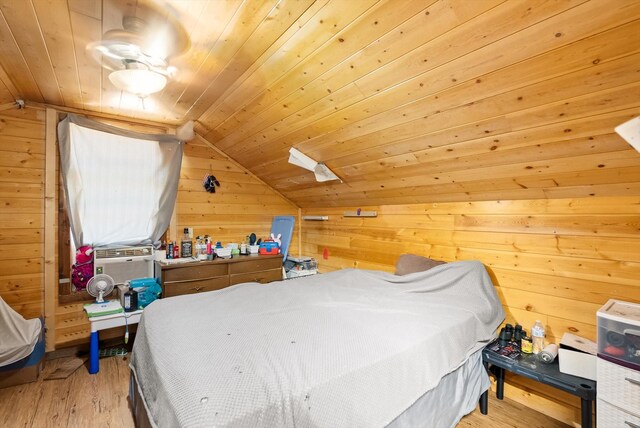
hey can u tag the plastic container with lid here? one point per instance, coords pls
(619, 333)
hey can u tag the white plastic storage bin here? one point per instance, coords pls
(619, 333)
(612, 416)
(619, 386)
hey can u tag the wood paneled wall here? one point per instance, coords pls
(554, 260)
(22, 165)
(242, 204)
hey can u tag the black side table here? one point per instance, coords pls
(530, 366)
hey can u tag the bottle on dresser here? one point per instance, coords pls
(186, 246)
(170, 250)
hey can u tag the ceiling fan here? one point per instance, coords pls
(319, 169)
(138, 54)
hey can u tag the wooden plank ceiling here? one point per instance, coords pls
(406, 100)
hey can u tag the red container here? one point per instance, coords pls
(269, 247)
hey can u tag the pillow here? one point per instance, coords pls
(410, 263)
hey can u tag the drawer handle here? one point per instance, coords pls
(633, 381)
(631, 424)
(182, 281)
(197, 288)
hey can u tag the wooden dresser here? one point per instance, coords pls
(197, 277)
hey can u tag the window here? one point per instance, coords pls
(120, 186)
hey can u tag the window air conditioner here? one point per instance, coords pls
(124, 263)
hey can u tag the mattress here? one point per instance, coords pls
(348, 348)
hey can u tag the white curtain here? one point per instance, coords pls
(121, 186)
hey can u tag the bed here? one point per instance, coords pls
(349, 348)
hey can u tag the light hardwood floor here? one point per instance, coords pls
(87, 401)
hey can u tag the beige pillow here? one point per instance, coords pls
(410, 263)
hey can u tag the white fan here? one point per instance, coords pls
(99, 286)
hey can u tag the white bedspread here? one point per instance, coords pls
(350, 348)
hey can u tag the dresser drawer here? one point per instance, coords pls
(261, 277)
(619, 386)
(611, 416)
(194, 271)
(255, 265)
(195, 286)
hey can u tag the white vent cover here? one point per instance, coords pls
(110, 253)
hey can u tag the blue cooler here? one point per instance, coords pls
(148, 290)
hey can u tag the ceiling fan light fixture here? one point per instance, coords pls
(140, 82)
(138, 54)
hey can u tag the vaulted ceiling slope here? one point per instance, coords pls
(406, 100)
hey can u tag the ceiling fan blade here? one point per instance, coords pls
(323, 173)
(296, 157)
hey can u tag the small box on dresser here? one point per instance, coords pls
(619, 365)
